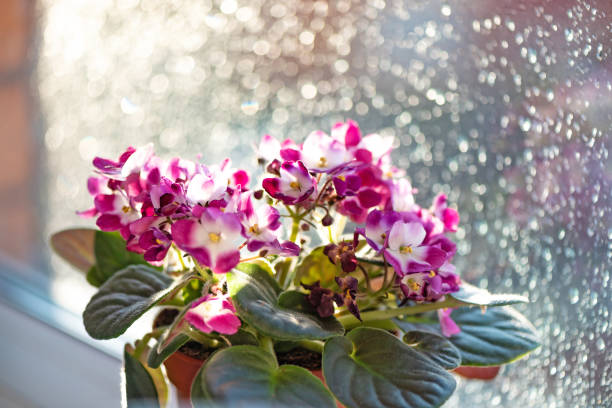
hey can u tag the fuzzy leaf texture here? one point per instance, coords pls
(255, 295)
(370, 368)
(122, 299)
(249, 376)
(496, 336)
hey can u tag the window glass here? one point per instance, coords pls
(504, 105)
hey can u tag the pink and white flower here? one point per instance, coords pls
(116, 212)
(401, 195)
(262, 227)
(212, 240)
(130, 162)
(347, 133)
(294, 185)
(210, 184)
(378, 225)
(213, 313)
(269, 149)
(320, 152)
(448, 216)
(405, 250)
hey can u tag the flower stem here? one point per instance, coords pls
(179, 255)
(371, 261)
(312, 345)
(349, 321)
(268, 344)
(144, 342)
(295, 229)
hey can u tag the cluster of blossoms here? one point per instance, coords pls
(211, 214)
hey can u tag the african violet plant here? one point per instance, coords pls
(364, 276)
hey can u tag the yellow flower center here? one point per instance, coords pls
(322, 161)
(412, 284)
(294, 185)
(254, 229)
(126, 209)
(432, 274)
(214, 237)
(406, 249)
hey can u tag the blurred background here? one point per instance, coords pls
(506, 106)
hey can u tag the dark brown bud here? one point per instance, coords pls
(327, 220)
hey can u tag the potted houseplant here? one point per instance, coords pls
(359, 304)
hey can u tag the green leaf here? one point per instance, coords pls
(256, 298)
(496, 336)
(293, 299)
(111, 256)
(437, 348)
(473, 295)
(248, 375)
(371, 368)
(124, 298)
(140, 390)
(260, 273)
(242, 337)
(315, 267)
(156, 358)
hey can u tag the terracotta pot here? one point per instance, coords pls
(478, 373)
(181, 370)
(319, 375)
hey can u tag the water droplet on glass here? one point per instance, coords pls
(573, 296)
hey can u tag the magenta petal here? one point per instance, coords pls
(109, 222)
(181, 232)
(363, 155)
(197, 321)
(290, 154)
(255, 245)
(435, 257)
(339, 186)
(445, 244)
(450, 218)
(447, 324)
(201, 255)
(368, 197)
(106, 166)
(105, 202)
(224, 323)
(141, 225)
(92, 212)
(272, 186)
(156, 253)
(353, 135)
(225, 262)
(290, 248)
(241, 178)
